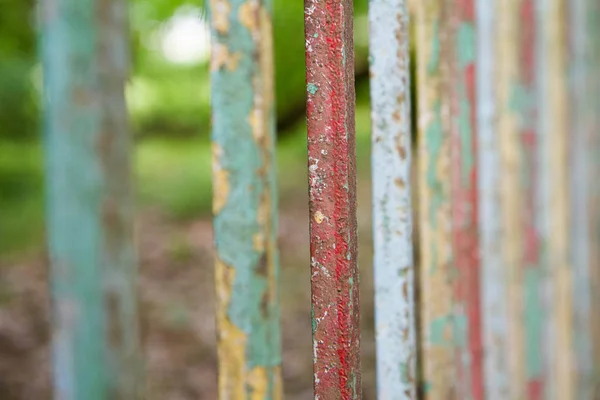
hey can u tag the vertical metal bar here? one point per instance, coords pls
(332, 181)
(593, 138)
(581, 182)
(435, 280)
(395, 329)
(553, 138)
(95, 334)
(508, 36)
(493, 271)
(244, 204)
(465, 199)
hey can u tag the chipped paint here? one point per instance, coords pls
(493, 269)
(465, 200)
(395, 324)
(583, 30)
(245, 200)
(555, 135)
(435, 275)
(96, 331)
(332, 180)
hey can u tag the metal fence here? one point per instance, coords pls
(501, 304)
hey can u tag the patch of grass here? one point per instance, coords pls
(21, 196)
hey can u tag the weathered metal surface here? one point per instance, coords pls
(493, 269)
(436, 264)
(508, 36)
(395, 324)
(244, 205)
(592, 25)
(332, 181)
(553, 111)
(95, 335)
(465, 199)
(582, 25)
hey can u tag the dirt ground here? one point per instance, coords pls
(176, 280)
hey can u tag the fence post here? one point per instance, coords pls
(515, 99)
(584, 27)
(245, 203)
(95, 334)
(554, 114)
(332, 181)
(581, 154)
(395, 324)
(465, 197)
(435, 280)
(493, 269)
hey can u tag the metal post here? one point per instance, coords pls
(244, 205)
(493, 269)
(332, 180)
(395, 324)
(465, 199)
(554, 135)
(436, 266)
(95, 334)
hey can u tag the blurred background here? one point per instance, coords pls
(168, 98)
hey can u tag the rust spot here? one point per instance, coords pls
(264, 303)
(220, 10)
(319, 217)
(248, 15)
(400, 183)
(220, 180)
(401, 148)
(115, 331)
(262, 265)
(396, 115)
(221, 57)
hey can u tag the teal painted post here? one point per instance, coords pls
(244, 205)
(95, 333)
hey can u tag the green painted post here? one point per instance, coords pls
(95, 333)
(245, 202)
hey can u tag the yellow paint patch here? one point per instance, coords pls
(258, 242)
(221, 57)
(277, 384)
(231, 344)
(221, 186)
(248, 15)
(220, 10)
(258, 381)
(319, 217)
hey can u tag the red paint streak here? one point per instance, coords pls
(531, 255)
(332, 177)
(535, 389)
(465, 219)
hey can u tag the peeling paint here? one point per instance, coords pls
(332, 198)
(395, 322)
(96, 346)
(245, 200)
(435, 278)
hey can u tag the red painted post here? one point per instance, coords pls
(465, 200)
(332, 179)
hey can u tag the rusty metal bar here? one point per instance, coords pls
(395, 324)
(244, 205)
(332, 181)
(95, 334)
(465, 199)
(436, 265)
(493, 269)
